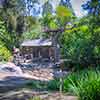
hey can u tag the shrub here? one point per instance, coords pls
(36, 98)
(84, 84)
(53, 85)
(41, 85)
(38, 85)
(5, 54)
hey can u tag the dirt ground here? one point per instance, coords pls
(33, 95)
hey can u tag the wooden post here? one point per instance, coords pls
(61, 78)
(61, 82)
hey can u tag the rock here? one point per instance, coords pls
(11, 68)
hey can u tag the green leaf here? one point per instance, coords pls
(63, 11)
(53, 25)
(84, 28)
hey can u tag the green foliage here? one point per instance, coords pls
(33, 28)
(59, 20)
(7, 38)
(84, 28)
(5, 54)
(81, 42)
(47, 19)
(35, 98)
(5, 43)
(53, 85)
(47, 8)
(33, 34)
(62, 16)
(92, 6)
(73, 44)
(38, 85)
(53, 25)
(10, 13)
(85, 84)
(63, 11)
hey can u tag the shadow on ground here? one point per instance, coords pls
(12, 83)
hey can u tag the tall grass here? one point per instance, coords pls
(85, 84)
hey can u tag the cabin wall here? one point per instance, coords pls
(36, 53)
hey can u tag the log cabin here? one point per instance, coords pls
(40, 50)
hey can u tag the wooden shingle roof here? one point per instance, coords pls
(37, 42)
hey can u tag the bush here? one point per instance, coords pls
(41, 85)
(53, 85)
(5, 54)
(84, 84)
(38, 85)
(36, 98)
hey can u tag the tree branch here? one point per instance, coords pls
(57, 30)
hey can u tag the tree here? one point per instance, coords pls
(32, 7)
(47, 8)
(92, 6)
(81, 44)
(67, 3)
(53, 23)
(10, 11)
(5, 42)
(33, 28)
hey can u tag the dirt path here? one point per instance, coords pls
(32, 95)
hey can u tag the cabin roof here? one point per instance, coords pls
(37, 42)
